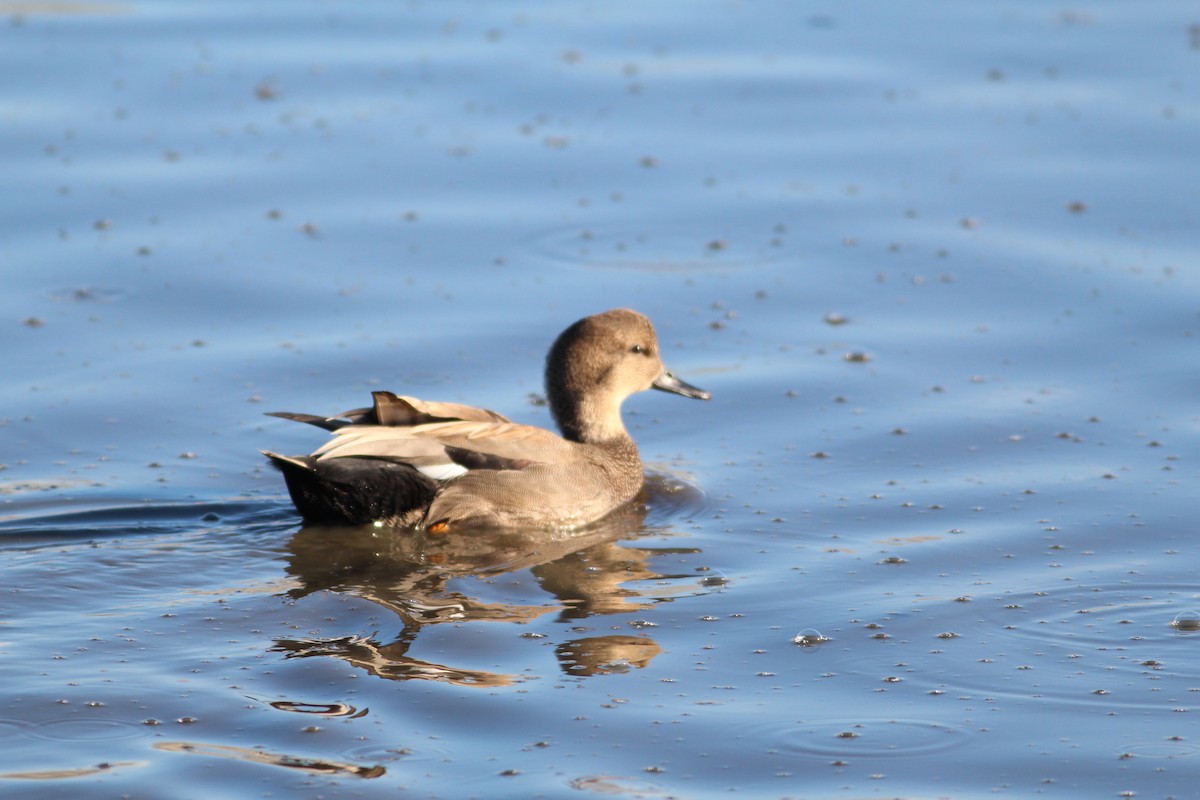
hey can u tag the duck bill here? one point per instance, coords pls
(667, 382)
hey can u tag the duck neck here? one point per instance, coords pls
(589, 420)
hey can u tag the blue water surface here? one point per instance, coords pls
(933, 536)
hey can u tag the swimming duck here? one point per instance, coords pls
(437, 466)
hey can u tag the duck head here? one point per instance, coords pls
(598, 362)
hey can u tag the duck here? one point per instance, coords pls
(439, 466)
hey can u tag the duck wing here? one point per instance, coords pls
(391, 409)
(443, 450)
(387, 462)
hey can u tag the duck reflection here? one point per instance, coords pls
(606, 655)
(427, 579)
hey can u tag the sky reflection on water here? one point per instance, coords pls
(944, 296)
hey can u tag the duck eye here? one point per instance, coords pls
(637, 348)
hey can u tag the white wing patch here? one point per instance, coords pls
(441, 472)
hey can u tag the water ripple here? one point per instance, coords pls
(1110, 615)
(1104, 646)
(34, 522)
(86, 730)
(1170, 749)
(671, 498)
(679, 248)
(849, 737)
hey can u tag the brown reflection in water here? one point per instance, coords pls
(60, 774)
(389, 660)
(618, 785)
(592, 581)
(407, 572)
(606, 655)
(317, 765)
(320, 709)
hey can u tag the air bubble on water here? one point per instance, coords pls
(810, 637)
(715, 578)
(1186, 621)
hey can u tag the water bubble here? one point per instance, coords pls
(810, 637)
(715, 579)
(1188, 621)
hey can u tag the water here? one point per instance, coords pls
(937, 266)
